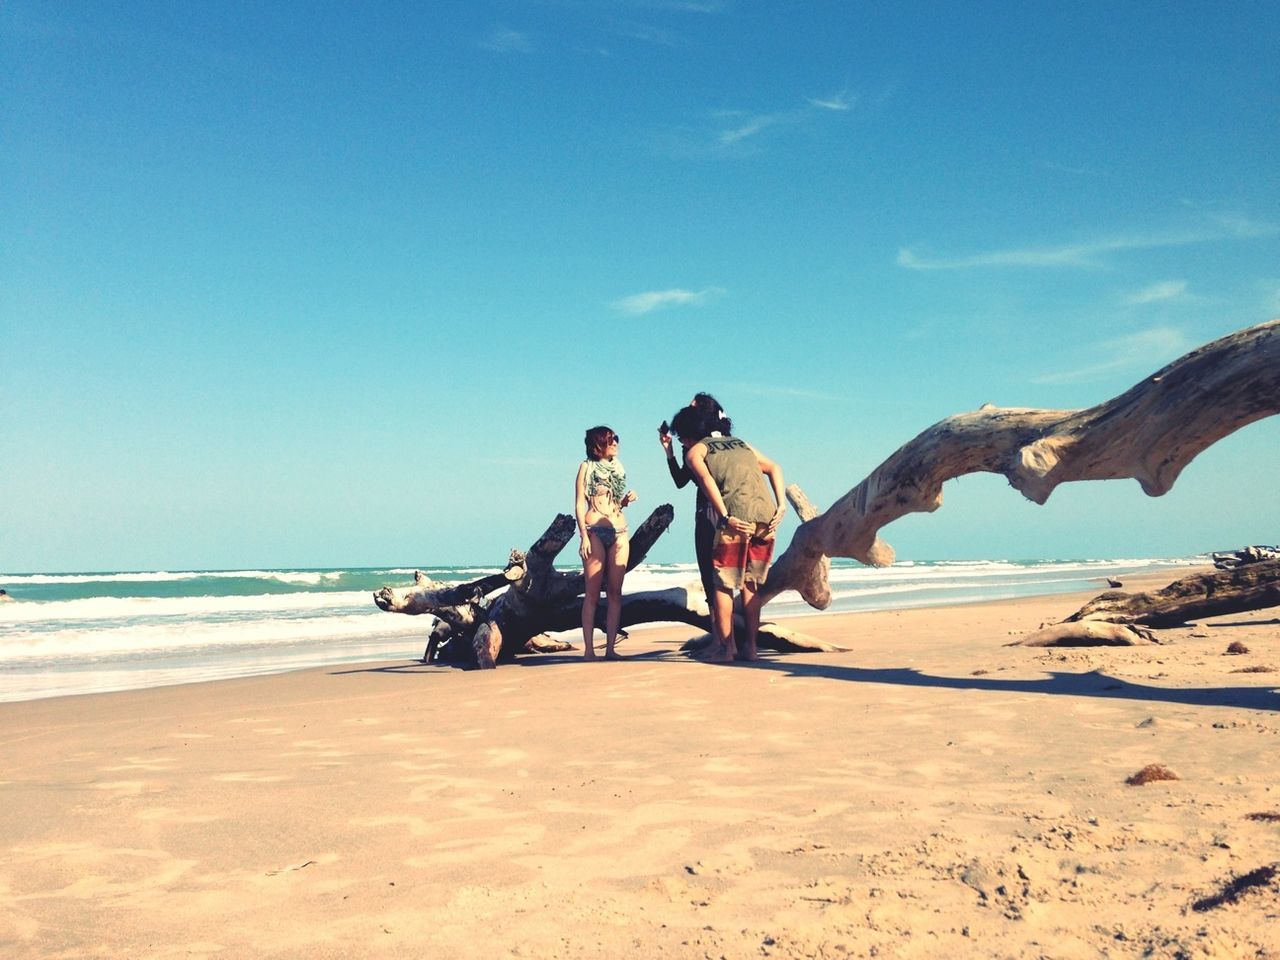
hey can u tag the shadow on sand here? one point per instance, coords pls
(1091, 684)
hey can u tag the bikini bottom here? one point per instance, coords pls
(608, 535)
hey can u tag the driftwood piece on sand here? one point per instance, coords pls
(476, 626)
(1253, 586)
(1244, 555)
(1150, 433)
(1118, 618)
(1088, 633)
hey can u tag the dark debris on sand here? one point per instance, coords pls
(1151, 773)
(1238, 886)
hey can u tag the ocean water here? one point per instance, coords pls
(93, 632)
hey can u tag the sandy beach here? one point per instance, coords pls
(933, 792)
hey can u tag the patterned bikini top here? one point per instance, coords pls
(606, 478)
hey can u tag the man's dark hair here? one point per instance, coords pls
(690, 423)
(710, 405)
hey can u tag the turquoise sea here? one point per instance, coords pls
(72, 633)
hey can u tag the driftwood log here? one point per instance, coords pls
(1253, 586)
(492, 619)
(1149, 433)
(1119, 618)
(1088, 633)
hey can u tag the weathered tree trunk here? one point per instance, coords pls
(1253, 586)
(1118, 618)
(1149, 433)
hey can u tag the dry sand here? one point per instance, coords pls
(931, 793)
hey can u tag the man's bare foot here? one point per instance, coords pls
(614, 655)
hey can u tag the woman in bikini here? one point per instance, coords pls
(600, 493)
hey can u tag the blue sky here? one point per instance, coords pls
(312, 284)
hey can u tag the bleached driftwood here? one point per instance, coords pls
(1254, 586)
(1117, 618)
(1088, 633)
(1149, 433)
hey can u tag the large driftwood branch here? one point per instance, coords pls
(1149, 433)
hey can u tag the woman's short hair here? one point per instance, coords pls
(597, 442)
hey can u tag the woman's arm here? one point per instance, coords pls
(580, 510)
(680, 475)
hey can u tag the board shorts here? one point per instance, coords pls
(738, 558)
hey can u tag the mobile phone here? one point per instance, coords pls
(664, 428)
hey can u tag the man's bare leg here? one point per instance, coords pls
(751, 607)
(722, 625)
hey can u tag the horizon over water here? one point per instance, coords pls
(94, 632)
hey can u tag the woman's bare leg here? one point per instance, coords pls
(615, 570)
(592, 572)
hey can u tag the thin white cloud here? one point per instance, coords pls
(1146, 348)
(840, 101)
(1088, 254)
(1236, 225)
(750, 128)
(1159, 293)
(1091, 253)
(505, 40)
(641, 303)
(646, 33)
